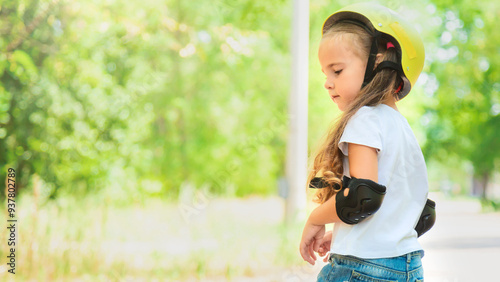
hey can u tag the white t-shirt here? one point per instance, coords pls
(401, 168)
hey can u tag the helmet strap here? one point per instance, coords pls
(388, 65)
(369, 72)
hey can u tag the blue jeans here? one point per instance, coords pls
(407, 268)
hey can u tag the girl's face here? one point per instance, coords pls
(344, 69)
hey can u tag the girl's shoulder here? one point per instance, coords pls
(367, 109)
(366, 112)
(365, 117)
(375, 116)
(380, 111)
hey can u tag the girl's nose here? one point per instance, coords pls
(329, 84)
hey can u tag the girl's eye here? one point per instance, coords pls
(338, 72)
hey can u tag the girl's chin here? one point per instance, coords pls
(339, 105)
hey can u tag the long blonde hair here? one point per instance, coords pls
(329, 158)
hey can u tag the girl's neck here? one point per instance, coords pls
(391, 103)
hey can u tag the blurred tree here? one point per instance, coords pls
(463, 114)
(143, 97)
(25, 41)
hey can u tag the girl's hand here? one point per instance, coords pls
(324, 245)
(311, 238)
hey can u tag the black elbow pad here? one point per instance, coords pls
(427, 218)
(364, 199)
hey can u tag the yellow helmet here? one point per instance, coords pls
(381, 21)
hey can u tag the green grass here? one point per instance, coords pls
(490, 205)
(92, 240)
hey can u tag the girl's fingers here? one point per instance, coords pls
(325, 246)
(304, 252)
(325, 259)
(317, 244)
(311, 252)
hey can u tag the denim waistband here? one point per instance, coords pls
(401, 264)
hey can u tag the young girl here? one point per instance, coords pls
(371, 58)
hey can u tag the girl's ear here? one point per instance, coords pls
(378, 59)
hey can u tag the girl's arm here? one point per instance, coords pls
(363, 163)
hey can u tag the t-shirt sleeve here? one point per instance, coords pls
(364, 129)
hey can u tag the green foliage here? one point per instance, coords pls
(141, 98)
(490, 205)
(145, 98)
(463, 113)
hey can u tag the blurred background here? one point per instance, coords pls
(149, 137)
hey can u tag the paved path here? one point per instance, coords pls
(464, 245)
